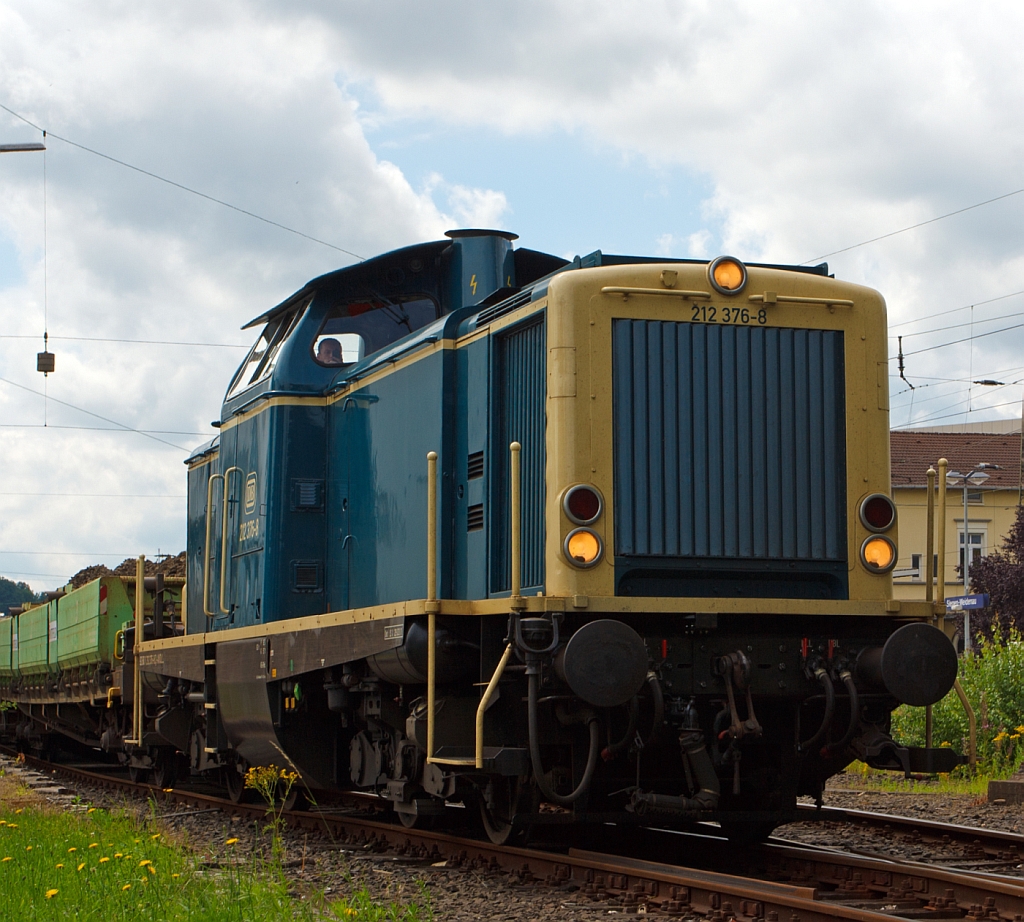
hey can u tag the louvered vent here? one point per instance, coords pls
(475, 467)
(307, 494)
(475, 517)
(504, 307)
(306, 575)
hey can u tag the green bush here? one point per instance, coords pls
(993, 680)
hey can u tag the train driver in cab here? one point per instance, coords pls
(328, 352)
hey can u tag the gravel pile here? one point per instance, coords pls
(169, 566)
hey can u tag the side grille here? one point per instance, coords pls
(307, 494)
(729, 442)
(306, 575)
(521, 378)
(504, 307)
(475, 465)
(475, 517)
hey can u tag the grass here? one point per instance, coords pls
(98, 865)
(993, 680)
(863, 778)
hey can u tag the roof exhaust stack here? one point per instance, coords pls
(479, 263)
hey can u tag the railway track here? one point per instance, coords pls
(651, 870)
(995, 846)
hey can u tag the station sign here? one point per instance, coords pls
(967, 602)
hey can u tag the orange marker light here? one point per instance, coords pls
(583, 547)
(878, 554)
(727, 275)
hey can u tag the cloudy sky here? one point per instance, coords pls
(782, 131)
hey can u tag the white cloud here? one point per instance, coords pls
(815, 126)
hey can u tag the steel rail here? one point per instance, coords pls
(810, 884)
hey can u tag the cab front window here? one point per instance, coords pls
(260, 361)
(357, 327)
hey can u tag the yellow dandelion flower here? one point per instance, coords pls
(12, 825)
(175, 875)
(351, 912)
(127, 857)
(20, 810)
(50, 894)
(144, 862)
(104, 859)
(118, 855)
(28, 848)
(157, 836)
(94, 845)
(60, 867)
(82, 865)
(151, 869)
(126, 887)
(231, 841)
(8, 858)
(91, 810)
(3, 822)
(72, 849)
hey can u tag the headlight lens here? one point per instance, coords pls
(727, 275)
(878, 554)
(583, 547)
(582, 504)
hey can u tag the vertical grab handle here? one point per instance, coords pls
(515, 485)
(431, 605)
(224, 538)
(208, 549)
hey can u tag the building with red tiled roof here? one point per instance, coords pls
(991, 506)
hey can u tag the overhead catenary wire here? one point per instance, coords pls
(903, 230)
(182, 186)
(144, 342)
(105, 419)
(104, 495)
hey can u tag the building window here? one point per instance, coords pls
(975, 497)
(976, 542)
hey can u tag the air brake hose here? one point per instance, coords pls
(563, 800)
(839, 747)
(611, 751)
(830, 705)
(659, 707)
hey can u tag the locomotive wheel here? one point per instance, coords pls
(507, 797)
(234, 784)
(294, 800)
(747, 833)
(412, 821)
(137, 775)
(165, 768)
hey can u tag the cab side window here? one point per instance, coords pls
(356, 328)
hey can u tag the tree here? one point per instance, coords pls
(12, 593)
(1001, 575)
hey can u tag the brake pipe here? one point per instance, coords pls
(830, 705)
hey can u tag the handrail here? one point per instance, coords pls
(929, 595)
(671, 292)
(207, 549)
(140, 621)
(515, 483)
(432, 607)
(771, 297)
(224, 538)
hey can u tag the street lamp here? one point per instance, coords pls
(975, 478)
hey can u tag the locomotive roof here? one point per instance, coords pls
(531, 267)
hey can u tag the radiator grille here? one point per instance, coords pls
(729, 442)
(475, 517)
(521, 376)
(475, 465)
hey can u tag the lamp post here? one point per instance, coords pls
(975, 478)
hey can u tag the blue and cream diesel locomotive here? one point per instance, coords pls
(481, 525)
